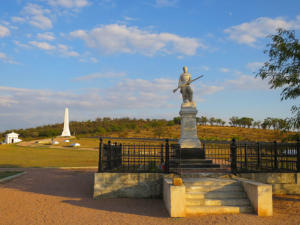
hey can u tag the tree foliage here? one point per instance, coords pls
(283, 67)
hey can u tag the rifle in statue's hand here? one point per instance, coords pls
(187, 83)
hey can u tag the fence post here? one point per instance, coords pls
(233, 148)
(100, 163)
(109, 155)
(167, 156)
(298, 154)
(258, 156)
(246, 157)
(161, 154)
(275, 155)
(120, 155)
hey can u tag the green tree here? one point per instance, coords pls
(212, 121)
(282, 70)
(233, 121)
(202, 120)
(177, 120)
(256, 124)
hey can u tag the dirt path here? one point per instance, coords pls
(53, 196)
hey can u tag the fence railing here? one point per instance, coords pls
(265, 157)
(164, 155)
(139, 157)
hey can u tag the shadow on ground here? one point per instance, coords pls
(76, 187)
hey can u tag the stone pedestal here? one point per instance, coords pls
(188, 134)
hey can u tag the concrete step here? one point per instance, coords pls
(207, 188)
(199, 210)
(199, 173)
(216, 195)
(218, 202)
(208, 181)
(198, 165)
(191, 160)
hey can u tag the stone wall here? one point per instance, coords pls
(282, 183)
(128, 185)
(260, 196)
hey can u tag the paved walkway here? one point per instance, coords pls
(56, 196)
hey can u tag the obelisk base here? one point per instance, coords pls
(188, 134)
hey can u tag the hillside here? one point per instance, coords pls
(126, 127)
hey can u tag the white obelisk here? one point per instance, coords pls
(66, 131)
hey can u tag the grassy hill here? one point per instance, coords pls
(125, 127)
(215, 133)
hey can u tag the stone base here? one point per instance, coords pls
(188, 133)
(192, 153)
(189, 143)
(128, 185)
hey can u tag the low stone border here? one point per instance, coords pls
(71, 167)
(11, 177)
(282, 183)
(174, 198)
(260, 196)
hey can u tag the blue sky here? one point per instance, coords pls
(123, 58)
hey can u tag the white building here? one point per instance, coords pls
(11, 138)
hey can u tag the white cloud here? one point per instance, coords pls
(21, 44)
(116, 38)
(100, 75)
(42, 45)
(35, 15)
(128, 18)
(65, 50)
(254, 66)
(46, 36)
(4, 31)
(7, 101)
(69, 3)
(203, 89)
(4, 58)
(165, 3)
(248, 33)
(137, 97)
(246, 82)
(224, 70)
(17, 19)
(60, 49)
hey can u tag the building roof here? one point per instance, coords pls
(12, 134)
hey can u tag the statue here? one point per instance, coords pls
(188, 131)
(185, 88)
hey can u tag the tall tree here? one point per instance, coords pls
(282, 70)
(212, 121)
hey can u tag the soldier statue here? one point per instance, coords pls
(185, 88)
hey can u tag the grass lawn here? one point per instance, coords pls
(20, 156)
(8, 173)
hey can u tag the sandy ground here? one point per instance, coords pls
(55, 196)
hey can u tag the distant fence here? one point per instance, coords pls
(266, 157)
(163, 155)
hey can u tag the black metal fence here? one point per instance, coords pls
(265, 157)
(164, 155)
(138, 157)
